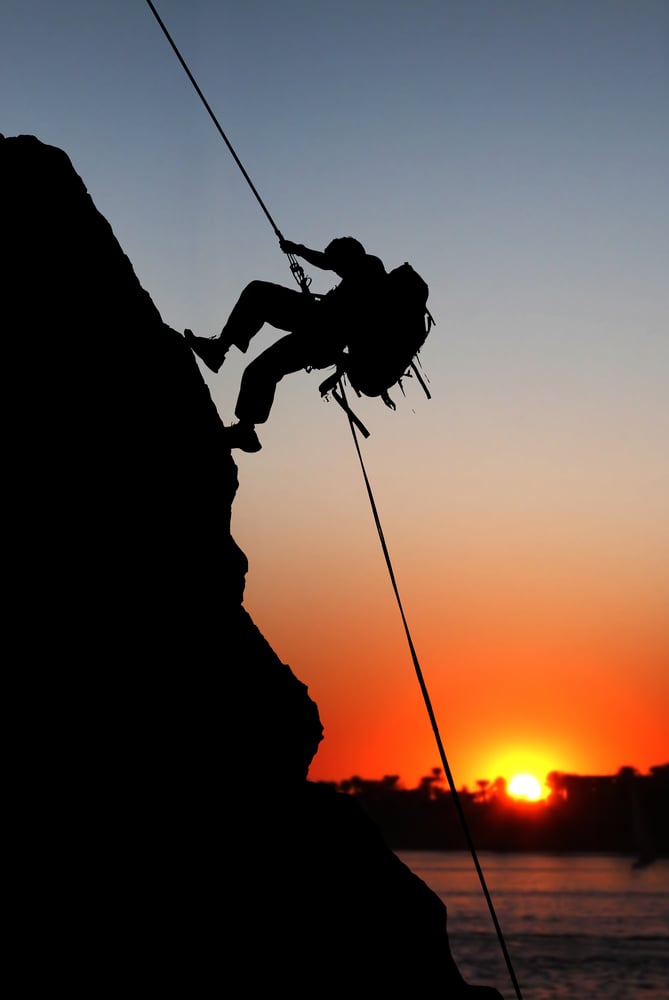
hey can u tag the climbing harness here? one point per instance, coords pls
(340, 396)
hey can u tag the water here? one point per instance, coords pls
(575, 926)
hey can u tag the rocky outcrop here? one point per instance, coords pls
(166, 836)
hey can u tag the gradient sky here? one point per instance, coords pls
(517, 153)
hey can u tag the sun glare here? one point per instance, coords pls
(525, 786)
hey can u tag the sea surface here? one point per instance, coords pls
(585, 927)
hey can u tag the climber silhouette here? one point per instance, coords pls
(320, 327)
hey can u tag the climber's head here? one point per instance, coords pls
(343, 254)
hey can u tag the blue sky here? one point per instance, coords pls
(517, 153)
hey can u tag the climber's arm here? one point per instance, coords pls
(314, 257)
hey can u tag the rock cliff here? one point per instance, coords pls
(165, 834)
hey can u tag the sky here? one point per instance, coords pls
(517, 154)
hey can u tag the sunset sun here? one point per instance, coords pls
(525, 786)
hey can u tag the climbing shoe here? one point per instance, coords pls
(212, 352)
(242, 436)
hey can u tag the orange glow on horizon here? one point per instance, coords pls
(536, 681)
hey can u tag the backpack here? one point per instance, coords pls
(382, 354)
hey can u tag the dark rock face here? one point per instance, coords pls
(165, 833)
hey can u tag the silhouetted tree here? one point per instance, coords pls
(483, 785)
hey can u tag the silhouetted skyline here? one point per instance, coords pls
(626, 812)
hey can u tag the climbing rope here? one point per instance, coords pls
(428, 705)
(295, 267)
(340, 396)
